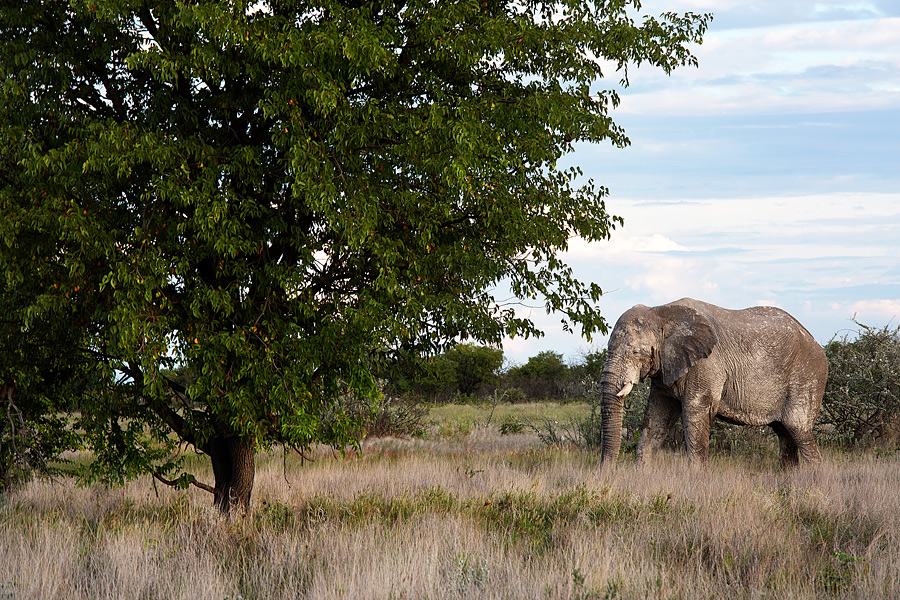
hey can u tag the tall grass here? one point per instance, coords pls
(480, 515)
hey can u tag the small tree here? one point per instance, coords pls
(592, 363)
(462, 369)
(546, 365)
(474, 366)
(862, 397)
(542, 376)
(436, 377)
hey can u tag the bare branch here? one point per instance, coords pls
(194, 482)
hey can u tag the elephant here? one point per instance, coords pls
(756, 366)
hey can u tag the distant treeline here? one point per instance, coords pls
(468, 372)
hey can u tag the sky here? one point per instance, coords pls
(768, 175)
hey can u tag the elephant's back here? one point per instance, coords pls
(766, 323)
(764, 336)
(765, 343)
(779, 332)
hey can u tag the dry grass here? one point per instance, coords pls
(473, 516)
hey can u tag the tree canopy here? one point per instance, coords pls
(269, 194)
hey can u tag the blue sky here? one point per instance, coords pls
(768, 175)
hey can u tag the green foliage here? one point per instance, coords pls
(841, 572)
(43, 372)
(591, 364)
(32, 436)
(547, 365)
(544, 376)
(463, 369)
(474, 366)
(436, 377)
(270, 195)
(470, 571)
(862, 397)
(388, 416)
(511, 425)
(528, 518)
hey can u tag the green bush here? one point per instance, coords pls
(543, 377)
(465, 370)
(862, 399)
(511, 425)
(386, 416)
(474, 366)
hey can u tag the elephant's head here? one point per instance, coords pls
(662, 342)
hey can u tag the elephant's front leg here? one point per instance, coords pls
(697, 420)
(662, 413)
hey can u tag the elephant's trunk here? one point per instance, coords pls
(615, 384)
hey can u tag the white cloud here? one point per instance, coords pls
(870, 312)
(743, 14)
(799, 253)
(814, 66)
(842, 8)
(756, 223)
(621, 243)
(767, 302)
(665, 278)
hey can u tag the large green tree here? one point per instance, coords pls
(266, 193)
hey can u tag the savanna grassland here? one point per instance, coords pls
(466, 512)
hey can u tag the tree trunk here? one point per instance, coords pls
(234, 470)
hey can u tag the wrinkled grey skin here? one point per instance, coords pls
(756, 366)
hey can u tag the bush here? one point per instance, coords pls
(543, 377)
(463, 370)
(474, 366)
(396, 417)
(32, 436)
(385, 416)
(511, 425)
(861, 406)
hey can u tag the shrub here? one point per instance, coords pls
(396, 417)
(384, 416)
(32, 436)
(862, 399)
(463, 370)
(544, 376)
(474, 366)
(511, 425)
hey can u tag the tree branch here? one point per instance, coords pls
(169, 416)
(194, 482)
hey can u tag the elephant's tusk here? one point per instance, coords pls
(626, 389)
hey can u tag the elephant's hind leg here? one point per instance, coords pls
(807, 445)
(790, 456)
(796, 443)
(659, 420)
(800, 413)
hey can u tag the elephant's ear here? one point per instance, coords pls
(688, 337)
